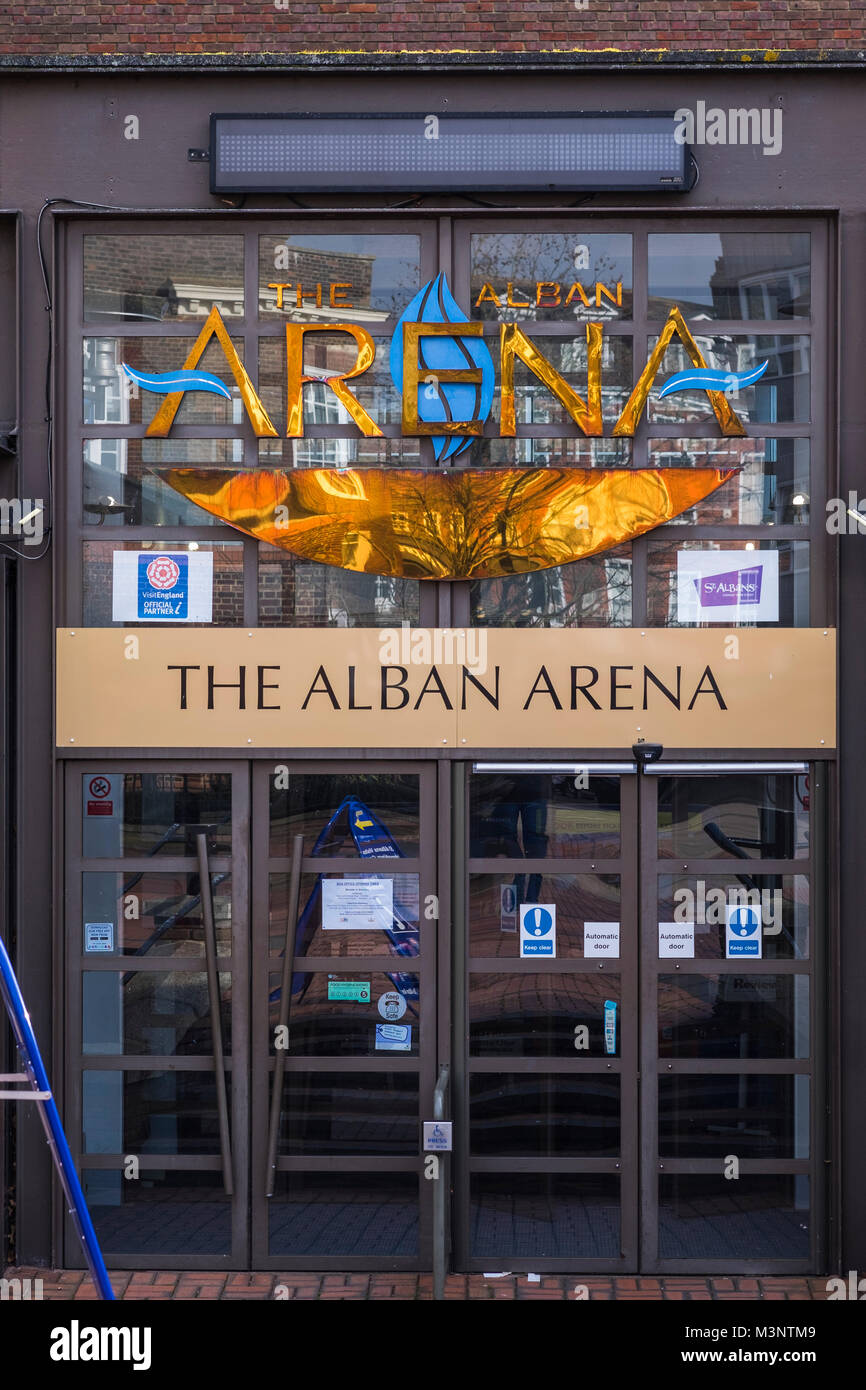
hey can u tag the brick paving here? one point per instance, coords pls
(205, 1284)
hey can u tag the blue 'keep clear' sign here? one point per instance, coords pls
(538, 929)
(742, 932)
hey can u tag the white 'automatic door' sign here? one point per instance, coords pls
(537, 929)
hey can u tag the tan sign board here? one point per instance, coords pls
(433, 688)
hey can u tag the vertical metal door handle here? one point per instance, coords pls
(439, 1195)
(285, 1001)
(213, 988)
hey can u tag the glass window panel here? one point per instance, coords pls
(157, 915)
(373, 1112)
(539, 272)
(329, 354)
(152, 1112)
(542, 1015)
(781, 395)
(337, 1015)
(588, 593)
(750, 1115)
(170, 278)
(535, 404)
(151, 810)
(112, 398)
(361, 452)
(522, 1215)
(121, 490)
(161, 1213)
(771, 489)
(344, 1214)
(373, 276)
(98, 580)
(662, 583)
(308, 804)
(544, 816)
(297, 593)
(575, 452)
(398, 936)
(730, 275)
(782, 898)
(747, 1015)
(527, 1114)
(143, 1013)
(760, 1216)
(578, 898)
(747, 814)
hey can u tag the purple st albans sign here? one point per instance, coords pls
(731, 587)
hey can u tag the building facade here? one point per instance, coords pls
(385, 646)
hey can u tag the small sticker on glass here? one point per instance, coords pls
(99, 936)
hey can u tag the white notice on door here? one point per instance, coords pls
(600, 939)
(98, 936)
(358, 903)
(677, 939)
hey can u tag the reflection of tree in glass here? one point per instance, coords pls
(589, 593)
(528, 257)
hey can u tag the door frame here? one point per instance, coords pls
(625, 1065)
(640, 867)
(236, 1061)
(432, 1042)
(812, 967)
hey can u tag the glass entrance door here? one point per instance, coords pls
(624, 971)
(183, 1023)
(548, 1116)
(641, 1032)
(156, 1056)
(732, 1020)
(344, 1014)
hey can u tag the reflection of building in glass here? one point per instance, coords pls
(596, 592)
(162, 277)
(761, 277)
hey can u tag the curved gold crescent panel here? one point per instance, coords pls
(469, 523)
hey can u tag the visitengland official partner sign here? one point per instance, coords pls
(280, 688)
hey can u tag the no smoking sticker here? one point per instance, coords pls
(98, 804)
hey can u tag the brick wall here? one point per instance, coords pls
(93, 27)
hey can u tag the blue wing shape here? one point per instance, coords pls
(182, 380)
(709, 379)
(448, 400)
